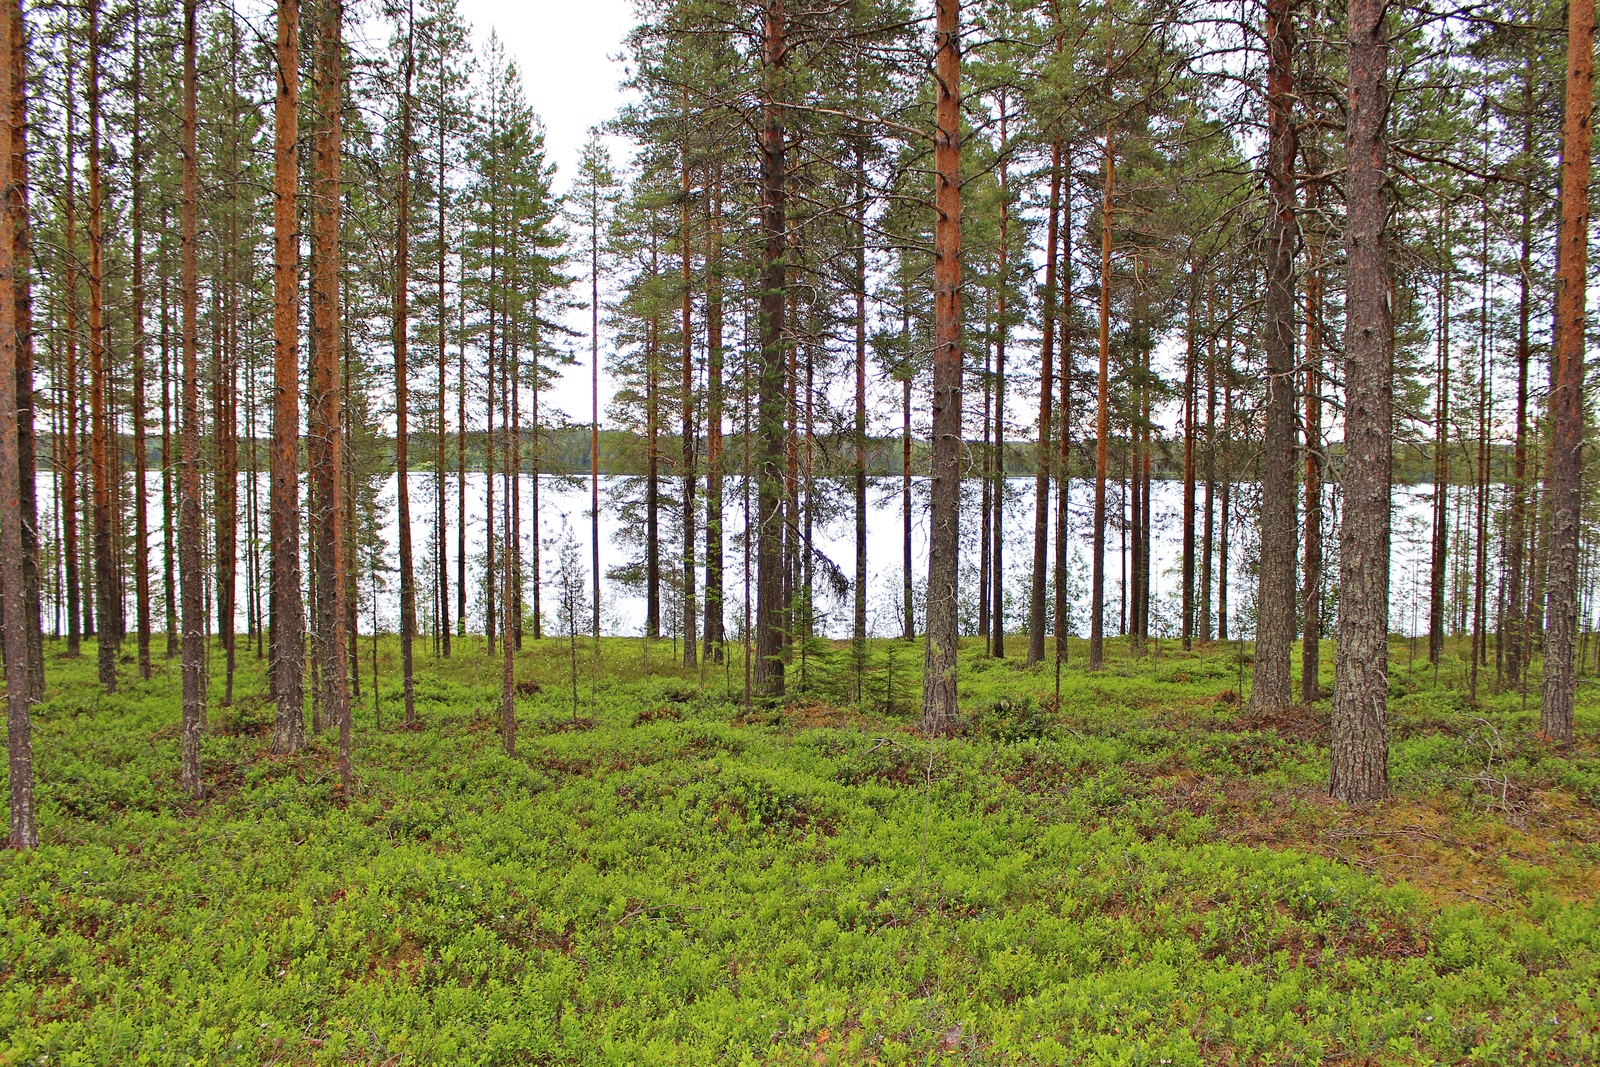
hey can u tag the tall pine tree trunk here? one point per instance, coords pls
(1564, 481)
(189, 524)
(1208, 534)
(1311, 591)
(99, 389)
(141, 519)
(402, 329)
(168, 512)
(858, 630)
(1360, 746)
(325, 428)
(714, 459)
(441, 527)
(225, 424)
(594, 424)
(508, 590)
(1441, 452)
(1190, 464)
(939, 709)
(691, 656)
(23, 831)
(1063, 302)
(15, 104)
(907, 591)
(1225, 505)
(1102, 423)
(67, 455)
(770, 421)
(461, 458)
(1041, 478)
(1270, 689)
(288, 613)
(1513, 625)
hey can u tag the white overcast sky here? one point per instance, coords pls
(565, 50)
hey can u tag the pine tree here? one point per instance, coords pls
(1360, 770)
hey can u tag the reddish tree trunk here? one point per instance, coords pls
(939, 709)
(1360, 745)
(15, 103)
(23, 830)
(1270, 688)
(325, 427)
(1563, 483)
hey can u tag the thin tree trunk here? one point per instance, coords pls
(1225, 507)
(1102, 425)
(1513, 625)
(594, 424)
(1359, 772)
(1208, 536)
(67, 502)
(939, 709)
(461, 457)
(1564, 482)
(1191, 404)
(20, 687)
(224, 481)
(1311, 591)
(1480, 583)
(1063, 302)
(986, 477)
(714, 459)
(225, 423)
(141, 520)
(907, 587)
(326, 429)
(402, 329)
(508, 705)
(288, 613)
(168, 512)
(652, 477)
(99, 431)
(770, 428)
(691, 654)
(1441, 452)
(1041, 478)
(490, 590)
(189, 527)
(858, 630)
(1270, 688)
(15, 105)
(441, 533)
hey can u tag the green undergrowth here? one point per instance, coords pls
(1126, 872)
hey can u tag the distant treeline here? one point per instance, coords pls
(566, 450)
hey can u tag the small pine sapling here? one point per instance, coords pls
(572, 602)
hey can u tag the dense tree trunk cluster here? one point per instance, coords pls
(859, 272)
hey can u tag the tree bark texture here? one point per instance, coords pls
(1563, 485)
(1360, 746)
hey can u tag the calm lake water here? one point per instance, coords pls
(564, 513)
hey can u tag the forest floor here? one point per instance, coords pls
(1127, 874)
